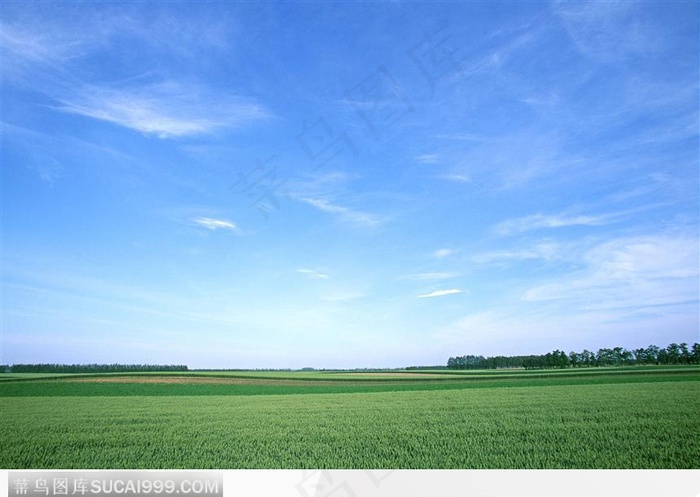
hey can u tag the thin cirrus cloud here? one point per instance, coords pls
(444, 252)
(165, 110)
(439, 293)
(215, 224)
(606, 31)
(539, 221)
(344, 213)
(547, 251)
(433, 276)
(44, 58)
(428, 159)
(456, 177)
(629, 273)
(313, 273)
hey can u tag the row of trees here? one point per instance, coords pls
(90, 368)
(618, 356)
(481, 362)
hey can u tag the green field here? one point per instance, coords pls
(643, 417)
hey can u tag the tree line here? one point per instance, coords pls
(90, 368)
(674, 353)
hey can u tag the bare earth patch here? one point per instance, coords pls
(392, 375)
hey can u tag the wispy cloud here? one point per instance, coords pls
(443, 252)
(506, 161)
(462, 137)
(540, 221)
(46, 56)
(215, 224)
(166, 110)
(433, 276)
(456, 177)
(635, 272)
(344, 213)
(439, 293)
(606, 31)
(428, 158)
(544, 251)
(313, 273)
(340, 295)
(32, 46)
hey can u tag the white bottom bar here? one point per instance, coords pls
(436, 483)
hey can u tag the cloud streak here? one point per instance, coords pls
(545, 251)
(213, 224)
(444, 252)
(344, 213)
(166, 110)
(433, 276)
(439, 293)
(631, 273)
(313, 273)
(47, 57)
(542, 221)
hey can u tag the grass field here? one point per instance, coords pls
(604, 418)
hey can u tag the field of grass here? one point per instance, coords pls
(615, 418)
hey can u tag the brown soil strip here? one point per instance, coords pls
(391, 375)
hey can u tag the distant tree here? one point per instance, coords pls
(587, 358)
(467, 362)
(653, 353)
(626, 356)
(92, 368)
(562, 359)
(640, 356)
(605, 357)
(673, 352)
(695, 353)
(534, 362)
(574, 359)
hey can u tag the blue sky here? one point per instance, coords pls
(346, 184)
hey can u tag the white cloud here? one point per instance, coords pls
(340, 295)
(456, 177)
(443, 252)
(46, 53)
(607, 31)
(628, 273)
(433, 276)
(538, 221)
(439, 293)
(427, 158)
(536, 331)
(215, 224)
(469, 137)
(344, 213)
(33, 46)
(313, 273)
(166, 110)
(545, 251)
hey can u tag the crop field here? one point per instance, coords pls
(643, 417)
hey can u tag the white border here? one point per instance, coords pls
(437, 483)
